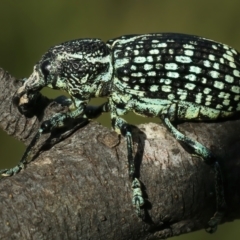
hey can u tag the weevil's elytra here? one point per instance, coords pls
(193, 72)
(170, 76)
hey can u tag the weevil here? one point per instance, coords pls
(175, 77)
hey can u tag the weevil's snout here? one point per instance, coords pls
(25, 96)
(30, 85)
(33, 84)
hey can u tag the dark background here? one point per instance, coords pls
(29, 28)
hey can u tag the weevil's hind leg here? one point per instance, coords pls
(23, 161)
(121, 126)
(208, 158)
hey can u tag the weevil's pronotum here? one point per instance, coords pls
(170, 76)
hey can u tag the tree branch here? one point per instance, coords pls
(79, 188)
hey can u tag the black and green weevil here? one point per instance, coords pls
(171, 76)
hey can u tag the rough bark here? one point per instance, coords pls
(79, 188)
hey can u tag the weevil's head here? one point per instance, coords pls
(76, 66)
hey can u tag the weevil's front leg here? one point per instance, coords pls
(23, 161)
(208, 158)
(121, 126)
(57, 121)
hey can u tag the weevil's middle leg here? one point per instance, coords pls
(208, 158)
(121, 126)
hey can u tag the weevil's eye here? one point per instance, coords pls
(45, 68)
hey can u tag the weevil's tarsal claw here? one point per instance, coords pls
(11, 171)
(211, 229)
(5, 173)
(214, 221)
